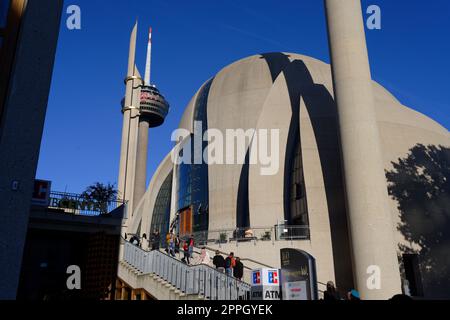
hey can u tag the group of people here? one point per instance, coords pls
(174, 245)
(231, 266)
(188, 250)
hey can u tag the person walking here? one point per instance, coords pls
(177, 245)
(135, 241)
(204, 257)
(186, 253)
(168, 237)
(331, 294)
(191, 246)
(172, 245)
(230, 262)
(219, 262)
(156, 240)
(238, 270)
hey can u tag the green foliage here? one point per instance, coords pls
(100, 194)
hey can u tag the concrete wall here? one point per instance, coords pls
(21, 131)
(236, 96)
(403, 129)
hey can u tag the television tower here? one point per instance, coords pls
(152, 113)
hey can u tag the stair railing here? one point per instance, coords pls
(201, 280)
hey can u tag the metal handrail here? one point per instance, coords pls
(77, 204)
(202, 280)
(268, 233)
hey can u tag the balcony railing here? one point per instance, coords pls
(78, 205)
(286, 232)
(257, 234)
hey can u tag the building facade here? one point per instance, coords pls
(29, 32)
(233, 207)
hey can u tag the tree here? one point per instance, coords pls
(101, 195)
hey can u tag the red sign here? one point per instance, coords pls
(41, 192)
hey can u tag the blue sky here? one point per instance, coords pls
(193, 40)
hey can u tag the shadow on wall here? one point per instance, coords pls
(322, 111)
(421, 185)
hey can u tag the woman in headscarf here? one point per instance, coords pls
(204, 257)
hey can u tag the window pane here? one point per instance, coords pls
(4, 6)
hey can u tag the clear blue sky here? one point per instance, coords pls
(193, 40)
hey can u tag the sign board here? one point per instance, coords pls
(265, 284)
(295, 290)
(298, 275)
(41, 193)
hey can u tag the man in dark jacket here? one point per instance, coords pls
(238, 270)
(219, 262)
(331, 294)
(156, 240)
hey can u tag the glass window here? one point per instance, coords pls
(193, 184)
(161, 211)
(4, 8)
(299, 209)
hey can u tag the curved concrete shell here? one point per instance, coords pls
(294, 94)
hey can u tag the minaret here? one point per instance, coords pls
(153, 111)
(369, 218)
(130, 110)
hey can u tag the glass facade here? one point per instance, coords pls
(298, 203)
(4, 8)
(161, 211)
(193, 184)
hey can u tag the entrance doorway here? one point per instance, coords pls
(185, 222)
(413, 275)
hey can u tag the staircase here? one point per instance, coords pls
(167, 278)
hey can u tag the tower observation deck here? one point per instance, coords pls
(153, 106)
(153, 109)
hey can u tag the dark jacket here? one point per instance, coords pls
(331, 295)
(219, 261)
(238, 271)
(156, 239)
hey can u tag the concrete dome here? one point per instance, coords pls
(294, 94)
(256, 74)
(263, 91)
